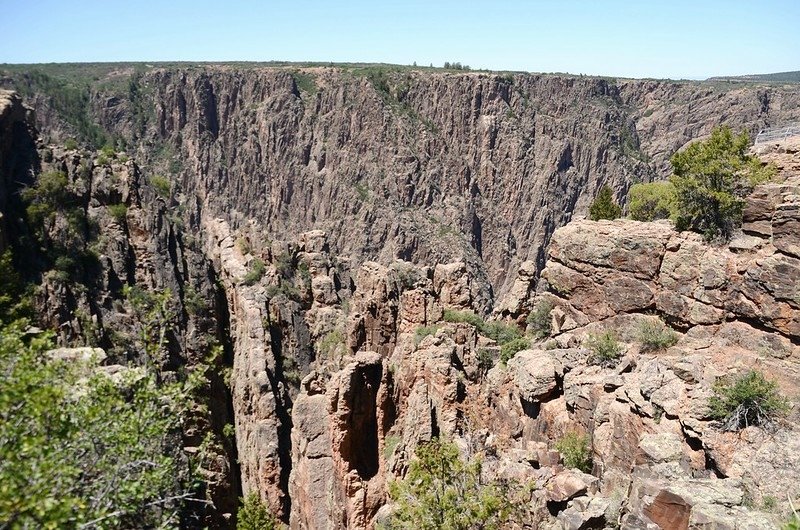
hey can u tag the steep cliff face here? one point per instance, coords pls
(287, 197)
(422, 166)
(17, 155)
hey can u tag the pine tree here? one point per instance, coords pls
(604, 206)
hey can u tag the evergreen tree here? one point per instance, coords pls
(711, 179)
(604, 206)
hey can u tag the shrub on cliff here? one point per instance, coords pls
(656, 335)
(254, 515)
(711, 180)
(79, 449)
(442, 491)
(511, 348)
(575, 451)
(652, 201)
(604, 206)
(751, 399)
(498, 331)
(256, 272)
(604, 349)
(539, 319)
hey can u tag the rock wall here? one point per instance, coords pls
(17, 156)
(281, 191)
(428, 167)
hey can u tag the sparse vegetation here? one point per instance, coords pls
(305, 82)
(193, 301)
(652, 201)
(254, 515)
(511, 348)
(243, 245)
(605, 349)
(498, 331)
(389, 445)
(332, 342)
(711, 179)
(256, 272)
(604, 206)
(656, 335)
(424, 331)
(749, 400)
(442, 491)
(15, 299)
(69, 98)
(161, 185)
(362, 191)
(539, 319)
(485, 360)
(576, 451)
(118, 212)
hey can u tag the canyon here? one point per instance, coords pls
(312, 220)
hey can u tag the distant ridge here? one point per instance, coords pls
(778, 77)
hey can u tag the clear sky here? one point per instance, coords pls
(645, 38)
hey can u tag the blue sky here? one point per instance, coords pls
(678, 38)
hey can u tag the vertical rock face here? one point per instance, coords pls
(17, 154)
(427, 167)
(293, 193)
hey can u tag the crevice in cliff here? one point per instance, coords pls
(283, 406)
(224, 337)
(360, 448)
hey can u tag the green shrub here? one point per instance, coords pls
(604, 206)
(243, 245)
(424, 331)
(118, 212)
(80, 449)
(305, 82)
(15, 300)
(652, 201)
(70, 144)
(751, 399)
(539, 319)
(161, 185)
(511, 348)
(331, 343)
(656, 335)
(485, 360)
(463, 317)
(575, 450)
(286, 289)
(193, 301)
(256, 272)
(254, 515)
(498, 331)
(711, 180)
(389, 445)
(442, 491)
(605, 349)
(108, 152)
(51, 187)
(284, 264)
